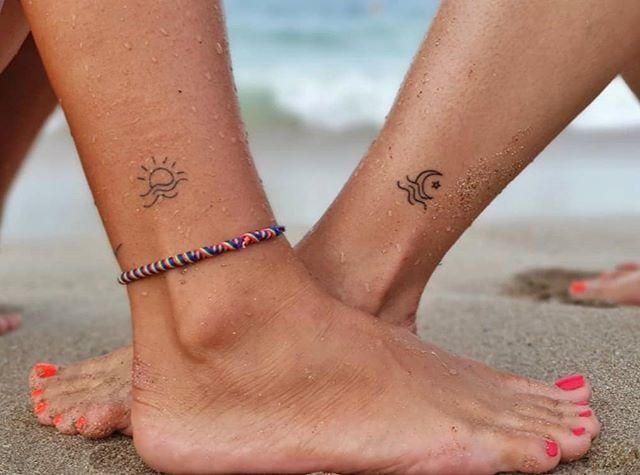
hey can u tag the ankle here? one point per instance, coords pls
(380, 279)
(208, 306)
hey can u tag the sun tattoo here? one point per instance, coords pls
(161, 180)
(420, 188)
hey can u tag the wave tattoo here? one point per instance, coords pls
(418, 189)
(162, 180)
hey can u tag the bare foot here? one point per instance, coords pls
(98, 390)
(91, 398)
(314, 385)
(620, 286)
(9, 321)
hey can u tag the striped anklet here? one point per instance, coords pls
(205, 252)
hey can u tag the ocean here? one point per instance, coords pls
(316, 79)
(337, 64)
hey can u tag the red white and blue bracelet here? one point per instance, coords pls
(191, 257)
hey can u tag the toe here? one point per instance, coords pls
(45, 370)
(42, 412)
(41, 374)
(619, 287)
(574, 387)
(521, 451)
(590, 289)
(573, 444)
(36, 395)
(65, 423)
(100, 422)
(583, 416)
(562, 412)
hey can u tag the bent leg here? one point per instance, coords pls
(13, 30)
(622, 284)
(492, 84)
(242, 364)
(27, 100)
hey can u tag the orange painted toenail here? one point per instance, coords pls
(578, 430)
(552, 448)
(40, 407)
(57, 419)
(582, 403)
(46, 370)
(578, 287)
(586, 413)
(81, 422)
(573, 381)
(36, 392)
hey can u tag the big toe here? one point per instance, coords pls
(623, 288)
(573, 387)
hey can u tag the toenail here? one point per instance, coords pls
(36, 392)
(80, 423)
(552, 448)
(578, 287)
(46, 370)
(578, 430)
(582, 403)
(40, 407)
(586, 413)
(57, 419)
(573, 381)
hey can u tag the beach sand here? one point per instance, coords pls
(74, 309)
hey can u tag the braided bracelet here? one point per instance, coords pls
(191, 257)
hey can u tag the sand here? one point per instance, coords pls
(74, 309)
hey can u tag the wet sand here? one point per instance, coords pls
(74, 309)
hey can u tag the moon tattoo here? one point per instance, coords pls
(419, 190)
(162, 180)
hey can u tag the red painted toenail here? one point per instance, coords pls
(552, 448)
(573, 381)
(582, 403)
(36, 392)
(40, 407)
(46, 370)
(578, 430)
(578, 287)
(586, 413)
(57, 419)
(81, 422)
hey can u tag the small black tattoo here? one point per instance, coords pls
(419, 188)
(161, 180)
(117, 249)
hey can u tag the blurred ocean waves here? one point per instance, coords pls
(336, 65)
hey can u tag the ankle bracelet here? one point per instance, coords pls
(191, 257)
